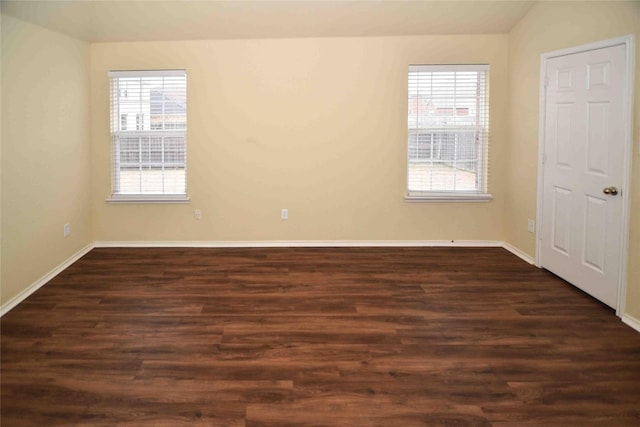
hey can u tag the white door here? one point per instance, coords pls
(583, 164)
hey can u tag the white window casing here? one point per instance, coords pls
(149, 136)
(448, 133)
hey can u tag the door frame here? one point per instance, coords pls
(629, 42)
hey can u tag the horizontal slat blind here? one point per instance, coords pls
(448, 128)
(149, 132)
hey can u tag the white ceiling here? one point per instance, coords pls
(139, 20)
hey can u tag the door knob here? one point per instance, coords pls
(610, 190)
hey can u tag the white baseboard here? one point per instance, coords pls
(631, 321)
(517, 252)
(6, 307)
(297, 243)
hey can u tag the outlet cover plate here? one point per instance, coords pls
(531, 225)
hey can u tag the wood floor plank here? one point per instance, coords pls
(315, 337)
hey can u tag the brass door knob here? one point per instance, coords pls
(610, 190)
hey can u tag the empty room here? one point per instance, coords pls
(320, 213)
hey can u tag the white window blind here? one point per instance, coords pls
(448, 130)
(149, 134)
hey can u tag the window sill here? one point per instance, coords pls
(445, 197)
(151, 199)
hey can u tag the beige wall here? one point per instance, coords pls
(45, 152)
(317, 126)
(550, 26)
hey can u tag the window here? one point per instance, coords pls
(448, 128)
(150, 162)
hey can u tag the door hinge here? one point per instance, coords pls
(546, 81)
(544, 158)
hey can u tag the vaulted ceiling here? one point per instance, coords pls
(140, 20)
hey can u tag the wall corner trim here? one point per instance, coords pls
(517, 252)
(631, 321)
(6, 307)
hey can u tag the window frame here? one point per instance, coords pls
(481, 130)
(117, 134)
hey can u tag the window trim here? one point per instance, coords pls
(143, 198)
(443, 196)
(147, 199)
(482, 195)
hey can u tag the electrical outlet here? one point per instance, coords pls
(284, 214)
(531, 225)
(198, 214)
(66, 230)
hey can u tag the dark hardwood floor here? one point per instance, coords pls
(315, 337)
